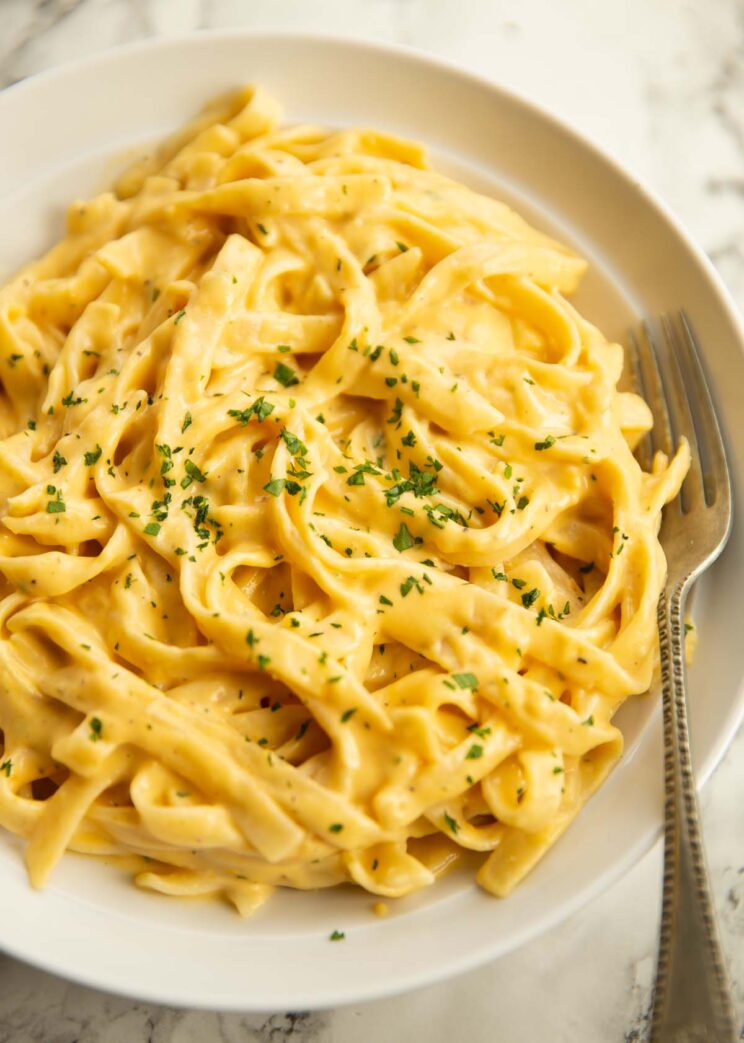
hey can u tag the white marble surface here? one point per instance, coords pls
(660, 83)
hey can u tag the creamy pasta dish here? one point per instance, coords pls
(324, 555)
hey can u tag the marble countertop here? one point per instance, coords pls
(661, 85)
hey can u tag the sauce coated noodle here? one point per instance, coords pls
(321, 529)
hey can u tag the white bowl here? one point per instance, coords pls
(64, 134)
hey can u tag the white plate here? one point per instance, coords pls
(63, 134)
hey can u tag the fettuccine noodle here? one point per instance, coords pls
(324, 553)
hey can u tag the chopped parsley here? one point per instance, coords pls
(395, 416)
(285, 375)
(530, 597)
(93, 456)
(407, 586)
(194, 474)
(420, 482)
(275, 486)
(167, 464)
(261, 409)
(58, 461)
(474, 753)
(293, 443)
(403, 539)
(57, 505)
(546, 444)
(465, 680)
(441, 513)
(451, 823)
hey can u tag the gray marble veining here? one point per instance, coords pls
(661, 85)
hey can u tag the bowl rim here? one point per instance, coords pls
(106, 980)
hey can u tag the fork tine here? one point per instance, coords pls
(653, 390)
(683, 424)
(644, 451)
(716, 481)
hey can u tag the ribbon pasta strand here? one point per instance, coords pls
(322, 540)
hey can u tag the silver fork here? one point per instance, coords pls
(692, 999)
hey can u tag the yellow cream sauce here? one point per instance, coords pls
(324, 551)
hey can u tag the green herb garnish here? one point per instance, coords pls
(285, 375)
(403, 539)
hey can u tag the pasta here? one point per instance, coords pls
(324, 554)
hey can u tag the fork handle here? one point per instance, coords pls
(692, 999)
